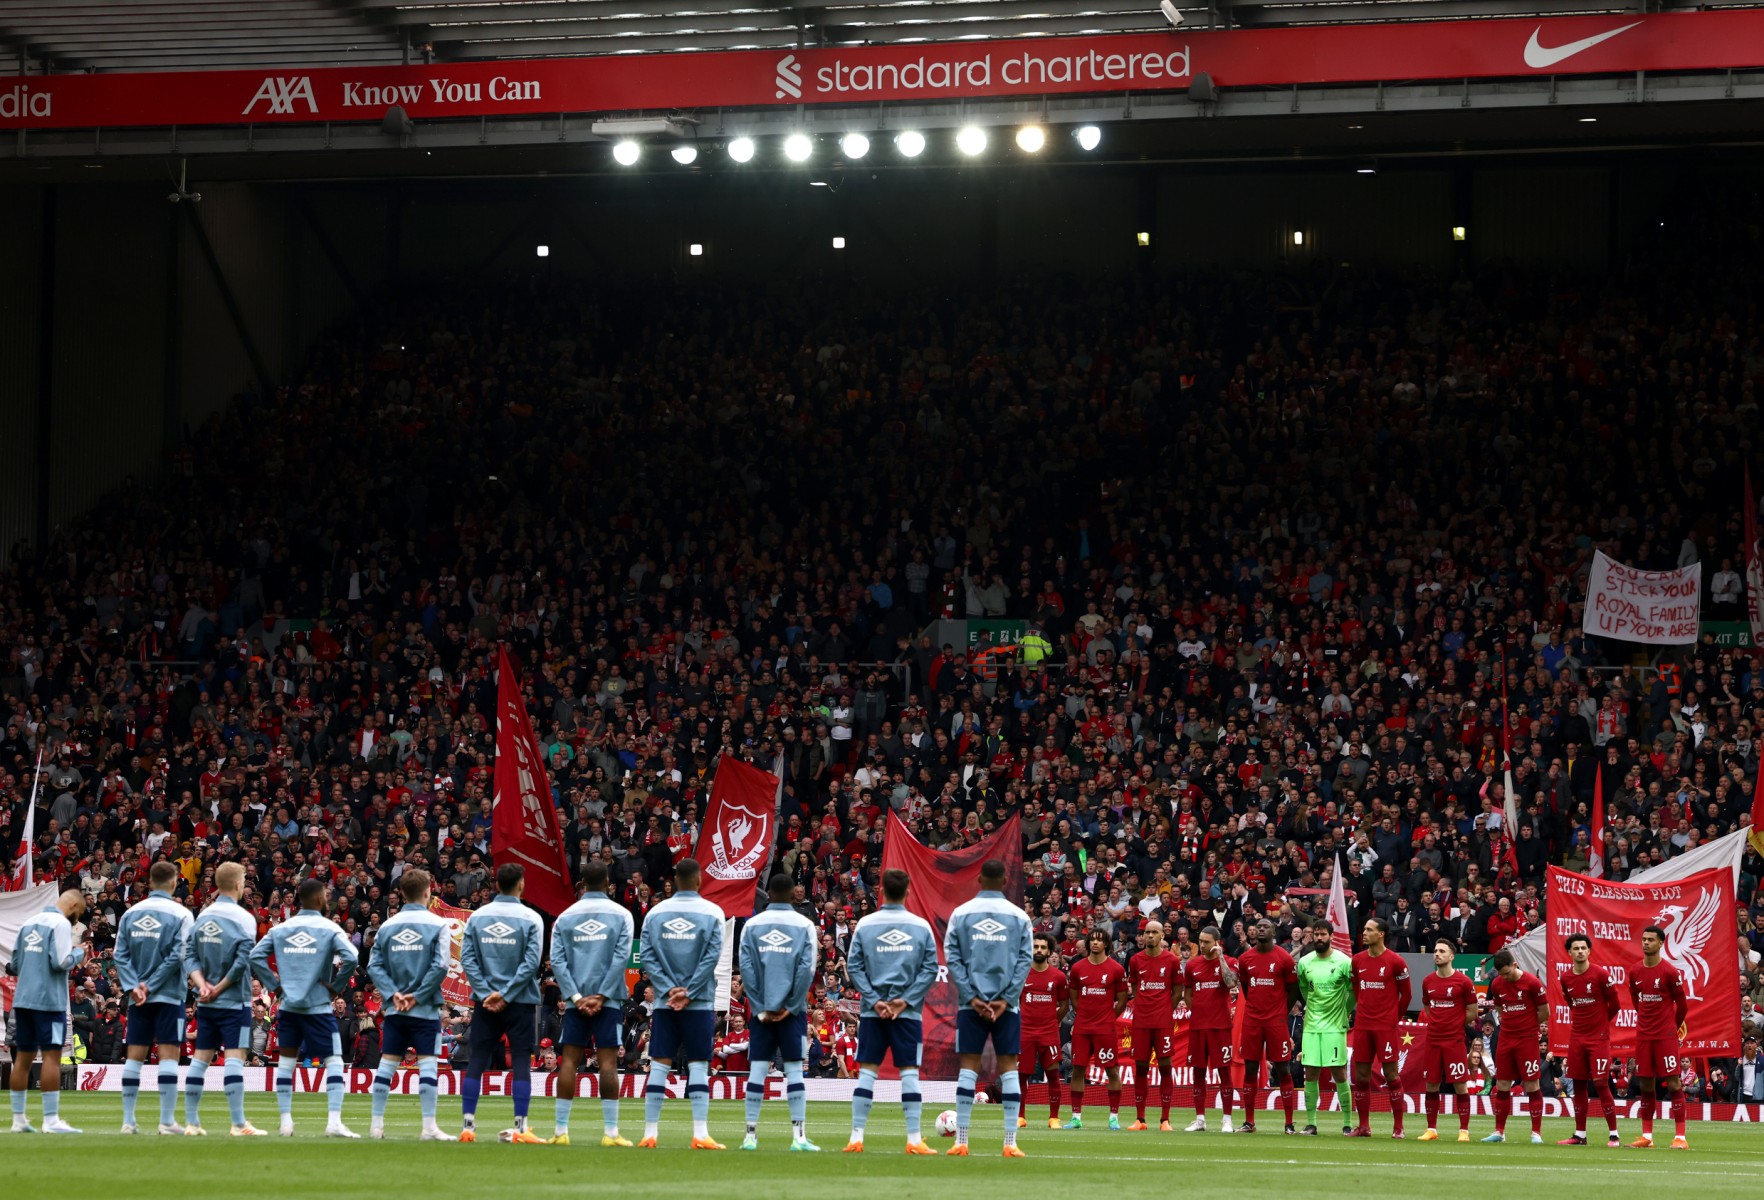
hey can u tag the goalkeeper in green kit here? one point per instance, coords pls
(1325, 979)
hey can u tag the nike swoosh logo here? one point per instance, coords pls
(1538, 57)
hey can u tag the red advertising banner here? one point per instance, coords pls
(942, 881)
(454, 989)
(735, 842)
(524, 827)
(1696, 914)
(1316, 54)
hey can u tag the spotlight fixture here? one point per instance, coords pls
(1031, 138)
(1089, 137)
(684, 155)
(838, 243)
(798, 147)
(542, 251)
(741, 149)
(971, 140)
(911, 143)
(627, 153)
(1171, 13)
(696, 250)
(854, 145)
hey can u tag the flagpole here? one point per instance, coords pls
(26, 871)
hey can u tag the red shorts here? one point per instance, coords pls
(1373, 1046)
(1517, 1056)
(1209, 1049)
(1265, 1041)
(1658, 1058)
(1098, 1048)
(1150, 1039)
(1444, 1062)
(1040, 1049)
(1589, 1060)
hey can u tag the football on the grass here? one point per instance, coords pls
(946, 1123)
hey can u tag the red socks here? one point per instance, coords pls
(1534, 1100)
(1077, 1102)
(1610, 1103)
(1678, 1107)
(1363, 1104)
(1462, 1103)
(1503, 1105)
(1289, 1099)
(1166, 1089)
(1114, 1101)
(1432, 1109)
(1053, 1093)
(1140, 1083)
(1649, 1104)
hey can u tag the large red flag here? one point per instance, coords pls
(1697, 915)
(1595, 855)
(942, 880)
(735, 841)
(524, 826)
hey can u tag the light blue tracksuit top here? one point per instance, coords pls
(779, 949)
(988, 948)
(313, 957)
(591, 948)
(893, 956)
(43, 956)
(682, 940)
(150, 948)
(501, 949)
(412, 955)
(219, 945)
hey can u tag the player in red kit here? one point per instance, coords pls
(1448, 1005)
(1518, 998)
(1153, 973)
(1661, 1011)
(1381, 997)
(1098, 985)
(1208, 980)
(1043, 1007)
(1593, 1002)
(1269, 979)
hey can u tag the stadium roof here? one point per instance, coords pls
(143, 35)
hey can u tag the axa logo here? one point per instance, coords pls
(279, 94)
(1688, 928)
(409, 939)
(302, 940)
(149, 926)
(788, 81)
(498, 929)
(776, 940)
(210, 929)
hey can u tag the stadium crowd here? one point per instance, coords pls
(1281, 538)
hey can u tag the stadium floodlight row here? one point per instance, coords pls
(970, 140)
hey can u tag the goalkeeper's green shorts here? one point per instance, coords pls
(1323, 1049)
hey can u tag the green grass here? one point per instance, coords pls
(1726, 1160)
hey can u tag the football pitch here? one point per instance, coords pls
(1725, 1159)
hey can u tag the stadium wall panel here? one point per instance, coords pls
(21, 212)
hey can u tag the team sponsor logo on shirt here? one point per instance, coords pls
(497, 933)
(894, 941)
(210, 931)
(591, 930)
(775, 942)
(301, 943)
(33, 941)
(679, 930)
(406, 939)
(147, 926)
(989, 931)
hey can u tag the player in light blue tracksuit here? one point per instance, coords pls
(500, 952)
(892, 963)
(778, 951)
(149, 960)
(682, 940)
(590, 952)
(407, 965)
(314, 957)
(41, 958)
(988, 948)
(217, 959)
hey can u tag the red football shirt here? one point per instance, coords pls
(1209, 1001)
(1517, 1002)
(1154, 988)
(1444, 1003)
(1660, 1005)
(1043, 992)
(1381, 990)
(1592, 1001)
(1264, 979)
(1094, 988)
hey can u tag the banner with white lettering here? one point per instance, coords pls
(1696, 913)
(1657, 608)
